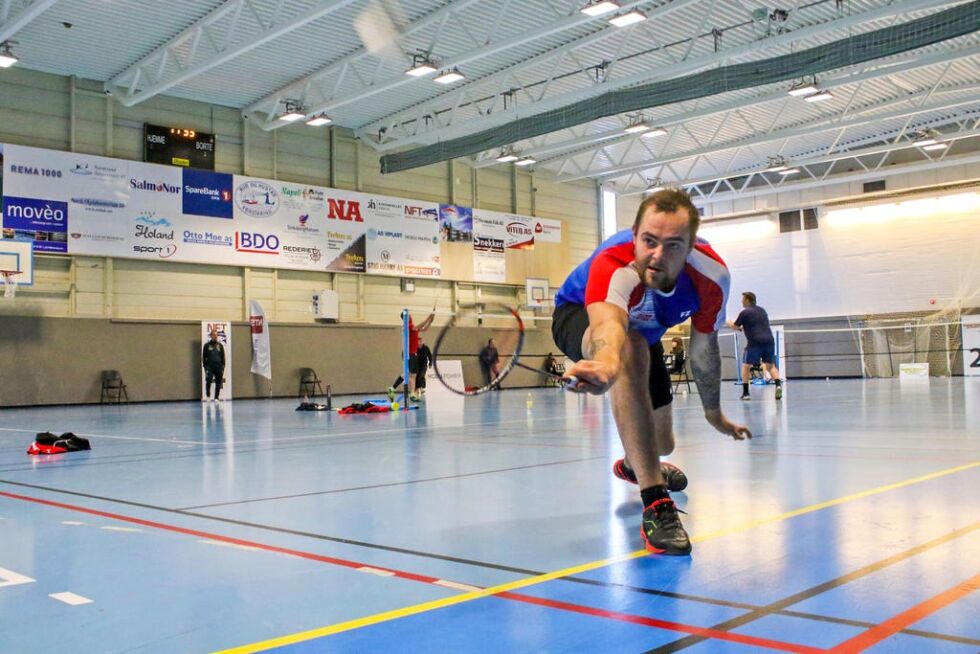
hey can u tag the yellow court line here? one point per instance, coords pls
(567, 572)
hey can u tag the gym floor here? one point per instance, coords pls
(849, 523)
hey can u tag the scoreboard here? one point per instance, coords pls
(176, 146)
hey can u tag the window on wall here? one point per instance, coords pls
(608, 213)
(793, 221)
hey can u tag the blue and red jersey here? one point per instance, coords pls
(610, 275)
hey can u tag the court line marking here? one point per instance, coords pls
(819, 589)
(11, 578)
(893, 625)
(707, 632)
(423, 607)
(389, 572)
(71, 599)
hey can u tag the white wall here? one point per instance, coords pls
(56, 112)
(876, 258)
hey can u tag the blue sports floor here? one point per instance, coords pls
(850, 523)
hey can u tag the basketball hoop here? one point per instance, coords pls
(9, 278)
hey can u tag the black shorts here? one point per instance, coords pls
(764, 352)
(568, 325)
(413, 363)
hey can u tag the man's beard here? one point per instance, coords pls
(658, 280)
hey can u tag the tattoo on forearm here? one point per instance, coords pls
(595, 346)
(706, 366)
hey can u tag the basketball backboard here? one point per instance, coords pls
(18, 255)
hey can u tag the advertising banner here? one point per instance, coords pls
(82, 204)
(971, 346)
(489, 237)
(261, 353)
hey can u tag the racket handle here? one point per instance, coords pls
(570, 383)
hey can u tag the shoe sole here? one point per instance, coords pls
(779, 393)
(656, 550)
(675, 488)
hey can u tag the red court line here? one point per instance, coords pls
(663, 624)
(893, 625)
(565, 606)
(224, 539)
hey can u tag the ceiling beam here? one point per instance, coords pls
(298, 89)
(822, 124)
(13, 23)
(370, 90)
(466, 128)
(840, 78)
(194, 51)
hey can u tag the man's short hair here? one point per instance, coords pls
(750, 296)
(668, 201)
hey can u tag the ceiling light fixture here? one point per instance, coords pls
(526, 161)
(654, 185)
(637, 125)
(629, 18)
(421, 66)
(294, 112)
(789, 171)
(935, 146)
(319, 121)
(599, 8)
(776, 165)
(803, 88)
(819, 96)
(506, 156)
(450, 76)
(7, 57)
(654, 131)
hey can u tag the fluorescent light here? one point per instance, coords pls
(526, 161)
(635, 16)
(636, 128)
(450, 76)
(7, 58)
(317, 121)
(653, 189)
(819, 96)
(654, 131)
(788, 171)
(803, 89)
(600, 8)
(421, 70)
(776, 168)
(507, 157)
(292, 116)
(933, 146)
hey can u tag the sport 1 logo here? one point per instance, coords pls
(256, 243)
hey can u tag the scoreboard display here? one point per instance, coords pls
(176, 146)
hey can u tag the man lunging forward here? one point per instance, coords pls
(609, 317)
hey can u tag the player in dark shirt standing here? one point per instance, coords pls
(760, 346)
(213, 360)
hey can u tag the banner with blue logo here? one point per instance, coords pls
(83, 204)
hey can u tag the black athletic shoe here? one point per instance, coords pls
(746, 397)
(674, 477)
(779, 392)
(662, 530)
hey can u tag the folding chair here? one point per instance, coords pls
(113, 388)
(310, 385)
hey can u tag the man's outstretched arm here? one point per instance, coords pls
(705, 357)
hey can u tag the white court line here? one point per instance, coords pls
(126, 529)
(375, 571)
(11, 578)
(73, 523)
(456, 585)
(70, 598)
